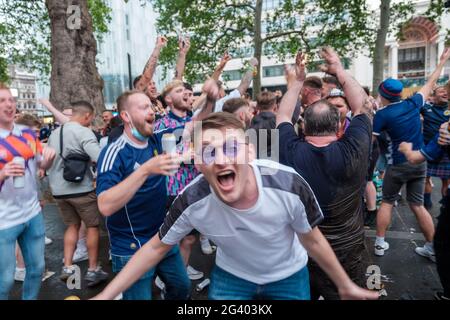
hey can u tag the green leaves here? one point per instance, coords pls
(25, 33)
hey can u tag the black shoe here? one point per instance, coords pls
(440, 296)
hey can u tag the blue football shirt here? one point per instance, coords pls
(401, 120)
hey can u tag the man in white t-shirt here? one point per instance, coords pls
(262, 215)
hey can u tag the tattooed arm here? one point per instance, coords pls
(150, 67)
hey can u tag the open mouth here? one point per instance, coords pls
(226, 179)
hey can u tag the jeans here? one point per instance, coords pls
(442, 245)
(170, 269)
(225, 286)
(30, 236)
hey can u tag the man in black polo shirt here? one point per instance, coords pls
(335, 169)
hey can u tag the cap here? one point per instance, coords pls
(391, 89)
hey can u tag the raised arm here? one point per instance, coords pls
(59, 116)
(428, 87)
(248, 76)
(354, 93)
(200, 102)
(184, 45)
(297, 75)
(222, 64)
(143, 260)
(152, 62)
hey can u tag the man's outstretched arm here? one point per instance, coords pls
(146, 258)
(320, 250)
(59, 116)
(200, 102)
(428, 87)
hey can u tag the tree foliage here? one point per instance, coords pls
(25, 33)
(216, 26)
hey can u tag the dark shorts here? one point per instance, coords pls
(75, 210)
(170, 200)
(413, 175)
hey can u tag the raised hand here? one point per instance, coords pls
(226, 57)
(184, 44)
(161, 41)
(445, 55)
(211, 89)
(289, 74)
(332, 61)
(300, 70)
(253, 62)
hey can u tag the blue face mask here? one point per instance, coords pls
(135, 131)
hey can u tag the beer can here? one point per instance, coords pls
(19, 182)
(169, 143)
(169, 146)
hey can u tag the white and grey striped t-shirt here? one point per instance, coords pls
(258, 244)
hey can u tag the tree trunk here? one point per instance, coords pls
(378, 57)
(258, 48)
(74, 73)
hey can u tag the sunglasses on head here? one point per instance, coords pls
(230, 150)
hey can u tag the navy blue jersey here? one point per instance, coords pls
(433, 116)
(139, 220)
(401, 120)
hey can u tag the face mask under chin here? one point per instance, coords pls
(135, 132)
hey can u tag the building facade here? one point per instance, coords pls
(125, 49)
(23, 88)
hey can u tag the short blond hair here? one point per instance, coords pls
(170, 86)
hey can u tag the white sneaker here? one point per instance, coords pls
(79, 255)
(426, 252)
(161, 285)
(379, 250)
(206, 245)
(19, 274)
(194, 274)
(48, 241)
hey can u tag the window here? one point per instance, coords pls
(411, 62)
(126, 19)
(273, 71)
(271, 4)
(128, 34)
(232, 75)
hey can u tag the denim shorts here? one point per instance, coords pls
(413, 175)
